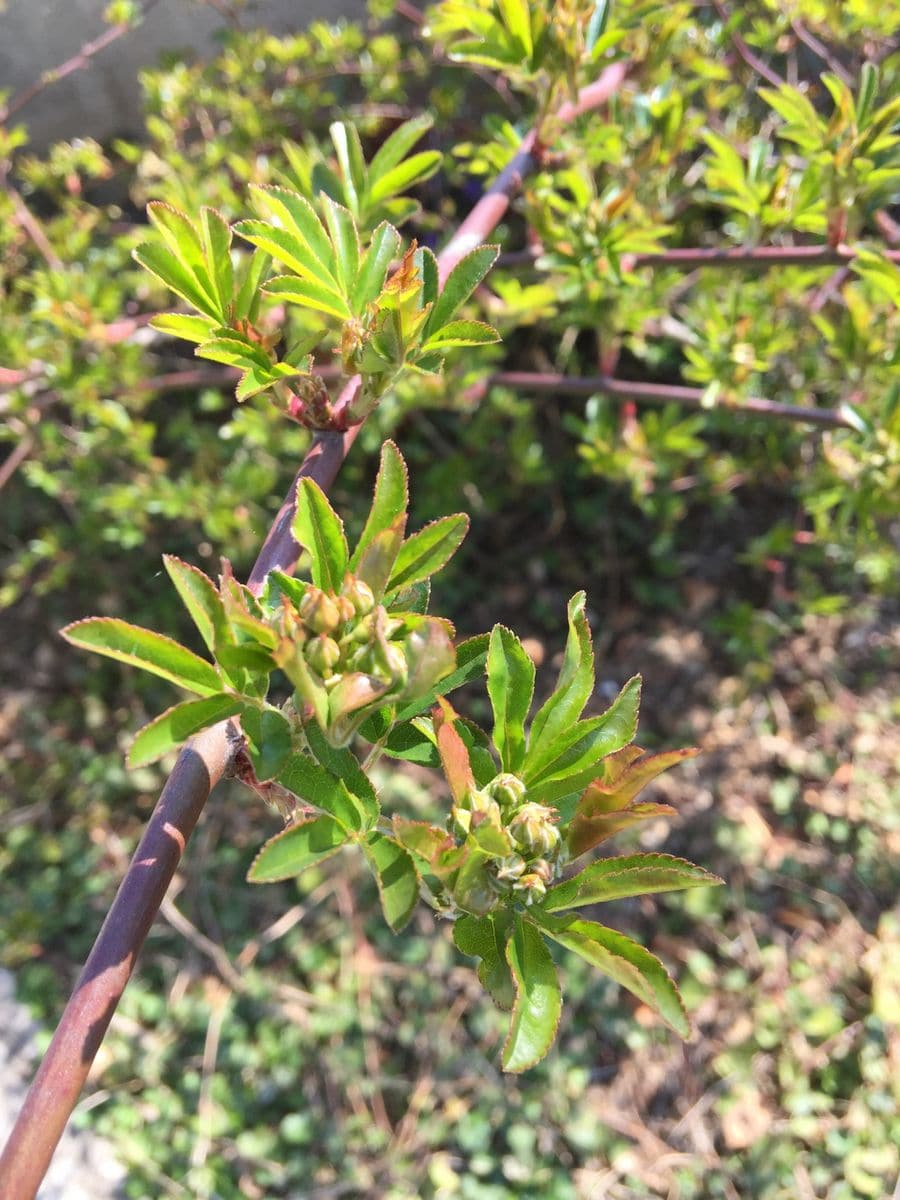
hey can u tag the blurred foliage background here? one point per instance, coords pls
(746, 567)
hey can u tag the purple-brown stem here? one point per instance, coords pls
(200, 765)
(655, 393)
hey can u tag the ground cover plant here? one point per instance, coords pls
(590, 290)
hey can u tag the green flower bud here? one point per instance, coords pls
(508, 870)
(508, 790)
(319, 610)
(534, 830)
(475, 807)
(532, 885)
(323, 654)
(543, 869)
(360, 595)
(345, 608)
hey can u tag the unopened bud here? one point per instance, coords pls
(508, 790)
(319, 610)
(345, 608)
(509, 869)
(323, 654)
(533, 828)
(532, 885)
(543, 869)
(360, 595)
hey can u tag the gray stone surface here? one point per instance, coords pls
(83, 1167)
(104, 98)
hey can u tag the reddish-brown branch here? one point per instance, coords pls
(750, 257)
(656, 393)
(200, 765)
(77, 62)
(743, 257)
(491, 208)
(752, 60)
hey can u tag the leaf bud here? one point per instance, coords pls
(319, 610)
(508, 790)
(533, 828)
(323, 654)
(360, 595)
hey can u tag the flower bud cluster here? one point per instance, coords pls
(337, 631)
(532, 832)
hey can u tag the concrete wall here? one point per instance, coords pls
(104, 98)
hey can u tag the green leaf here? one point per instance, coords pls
(246, 304)
(517, 19)
(350, 160)
(486, 938)
(454, 758)
(279, 584)
(215, 236)
(343, 764)
(573, 759)
(287, 248)
(142, 648)
(597, 24)
(461, 333)
(470, 659)
(161, 262)
(296, 848)
(306, 293)
(423, 554)
(427, 270)
(269, 740)
(192, 329)
(510, 685)
(345, 240)
(405, 175)
(389, 501)
(184, 242)
(573, 688)
(173, 727)
(318, 787)
(413, 741)
(235, 350)
(300, 219)
(868, 91)
(623, 960)
(377, 561)
(373, 272)
(396, 876)
(461, 283)
(627, 875)
(395, 148)
(538, 1001)
(201, 598)
(318, 527)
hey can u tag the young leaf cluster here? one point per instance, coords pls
(377, 307)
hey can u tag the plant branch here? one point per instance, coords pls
(748, 257)
(657, 393)
(77, 62)
(753, 61)
(200, 765)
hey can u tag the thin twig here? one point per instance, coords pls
(748, 258)
(822, 51)
(656, 393)
(31, 226)
(77, 62)
(14, 459)
(752, 60)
